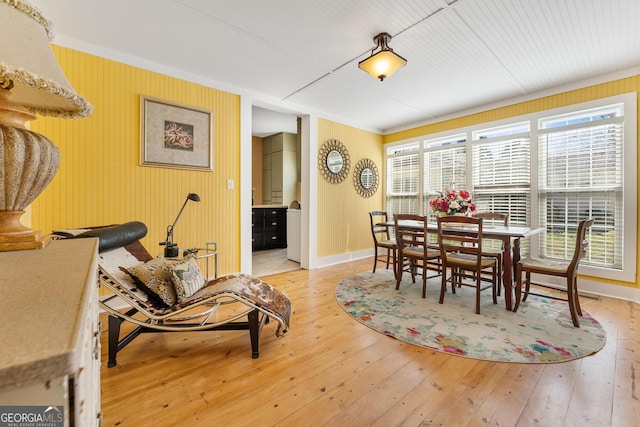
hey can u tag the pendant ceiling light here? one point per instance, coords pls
(385, 62)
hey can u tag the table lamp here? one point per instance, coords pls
(171, 248)
(31, 82)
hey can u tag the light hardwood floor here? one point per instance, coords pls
(330, 370)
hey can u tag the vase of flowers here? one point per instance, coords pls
(452, 202)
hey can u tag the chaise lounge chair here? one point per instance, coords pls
(219, 304)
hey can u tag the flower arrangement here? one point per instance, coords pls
(451, 202)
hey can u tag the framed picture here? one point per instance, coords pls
(175, 136)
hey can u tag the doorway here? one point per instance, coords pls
(275, 178)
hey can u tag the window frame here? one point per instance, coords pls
(628, 271)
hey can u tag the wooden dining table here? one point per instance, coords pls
(505, 233)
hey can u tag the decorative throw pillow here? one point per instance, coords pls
(154, 277)
(187, 277)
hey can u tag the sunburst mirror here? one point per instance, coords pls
(366, 177)
(334, 161)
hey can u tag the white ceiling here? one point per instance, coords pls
(301, 56)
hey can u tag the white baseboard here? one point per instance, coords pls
(604, 289)
(342, 258)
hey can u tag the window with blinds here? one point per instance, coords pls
(545, 170)
(445, 163)
(580, 159)
(502, 172)
(403, 179)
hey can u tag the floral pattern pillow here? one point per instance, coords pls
(187, 277)
(154, 277)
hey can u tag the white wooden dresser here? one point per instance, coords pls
(49, 329)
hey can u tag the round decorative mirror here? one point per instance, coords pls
(333, 161)
(366, 177)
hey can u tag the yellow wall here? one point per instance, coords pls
(343, 221)
(256, 169)
(617, 87)
(100, 180)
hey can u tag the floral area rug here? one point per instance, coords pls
(540, 332)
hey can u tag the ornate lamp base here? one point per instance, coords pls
(28, 163)
(14, 236)
(36, 239)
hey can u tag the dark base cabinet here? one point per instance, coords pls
(269, 228)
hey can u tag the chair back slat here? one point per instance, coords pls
(410, 236)
(582, 244)
(379, 232)
(493, 218)
(460, 234)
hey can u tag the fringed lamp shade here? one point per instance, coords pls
(31, 82)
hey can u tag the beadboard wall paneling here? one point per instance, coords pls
(100, 180)
(256, 170)
(343, 220)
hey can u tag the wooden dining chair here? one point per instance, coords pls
(558, 268)
(460, 241)
(497, 247)
(382, 240)
(415, 254)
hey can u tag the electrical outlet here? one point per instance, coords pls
(230, 184)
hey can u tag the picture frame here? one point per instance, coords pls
(175, 135)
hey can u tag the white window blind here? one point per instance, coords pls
(501, 176)
(403, 177)
(445, 162)
(581, 156)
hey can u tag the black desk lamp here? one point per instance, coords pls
(170, 248)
